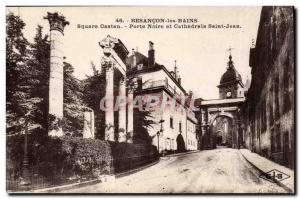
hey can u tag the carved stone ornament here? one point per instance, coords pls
(106, 63)
(56, 21)
(122, 80)
(108, 43)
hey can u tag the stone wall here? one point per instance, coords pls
(268, 113)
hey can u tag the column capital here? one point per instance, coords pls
(122, 80)
(107, 63)
(108, 43)
(56, 21)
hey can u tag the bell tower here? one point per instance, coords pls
(231, 85)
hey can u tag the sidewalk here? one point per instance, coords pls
(265, 165)
(103, 179)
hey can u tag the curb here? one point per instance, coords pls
(179, 154)
(125, 173)
(87, 183)
(263, 172)
(66, 187)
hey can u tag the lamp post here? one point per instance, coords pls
(160, 131)
(25, 173)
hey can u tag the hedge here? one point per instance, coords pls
(128, 156)
(73, 156)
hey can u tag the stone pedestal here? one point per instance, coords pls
(89, 125)
(122, 111)
(56, 82)
(130, 117)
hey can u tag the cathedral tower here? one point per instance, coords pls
(231, 85)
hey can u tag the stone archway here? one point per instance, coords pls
(222, 137)
(220, 114)
(212, 109)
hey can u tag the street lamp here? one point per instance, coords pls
(25, 174)
(160, 131)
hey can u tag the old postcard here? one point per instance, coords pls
(164, 100)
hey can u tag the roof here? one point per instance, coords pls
(231, 74)
(142, 59)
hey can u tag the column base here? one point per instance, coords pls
(122, 137)
(110, 134)
(59, 133)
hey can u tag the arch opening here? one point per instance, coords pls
(221, 131)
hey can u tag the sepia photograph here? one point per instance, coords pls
(150, 100)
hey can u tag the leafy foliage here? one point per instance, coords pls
(17, 73)
(94, 91)
(73, 104)
(128, 156)
(68, 155)
(73, 156)
(143, 121)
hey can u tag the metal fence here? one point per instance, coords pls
(38, 180)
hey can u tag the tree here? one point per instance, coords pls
(17, 74)
(94, 91)
(39, 63)
(143, 120)
(73, 103)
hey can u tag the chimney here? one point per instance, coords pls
(133, 59)
(179, 80)
(151, 55)
(175, 70)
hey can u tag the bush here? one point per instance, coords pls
(73, 156)
(129, 156)
(66, 156)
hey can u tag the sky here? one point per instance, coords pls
(201, 54)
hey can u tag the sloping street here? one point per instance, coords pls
(212, 171)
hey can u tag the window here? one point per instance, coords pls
(271, 117)
(286, 82)
(278, 138)
(264, 120)
(171, 122)
(140, 83)
(277, 112)
(273, 141)
(179, 126)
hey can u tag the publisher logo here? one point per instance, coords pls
(274, 175)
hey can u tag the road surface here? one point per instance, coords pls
(211, 171)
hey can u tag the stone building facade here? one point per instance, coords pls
(268, 114)
(179, 122)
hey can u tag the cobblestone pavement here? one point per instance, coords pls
(211, 171)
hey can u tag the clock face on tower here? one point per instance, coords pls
(228, 94)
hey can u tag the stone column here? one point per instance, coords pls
(109, 102)
(122, 111)
(130, 117)
(89, 125)
(57, 23)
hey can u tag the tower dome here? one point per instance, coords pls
(231, 85)
(231, 74)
